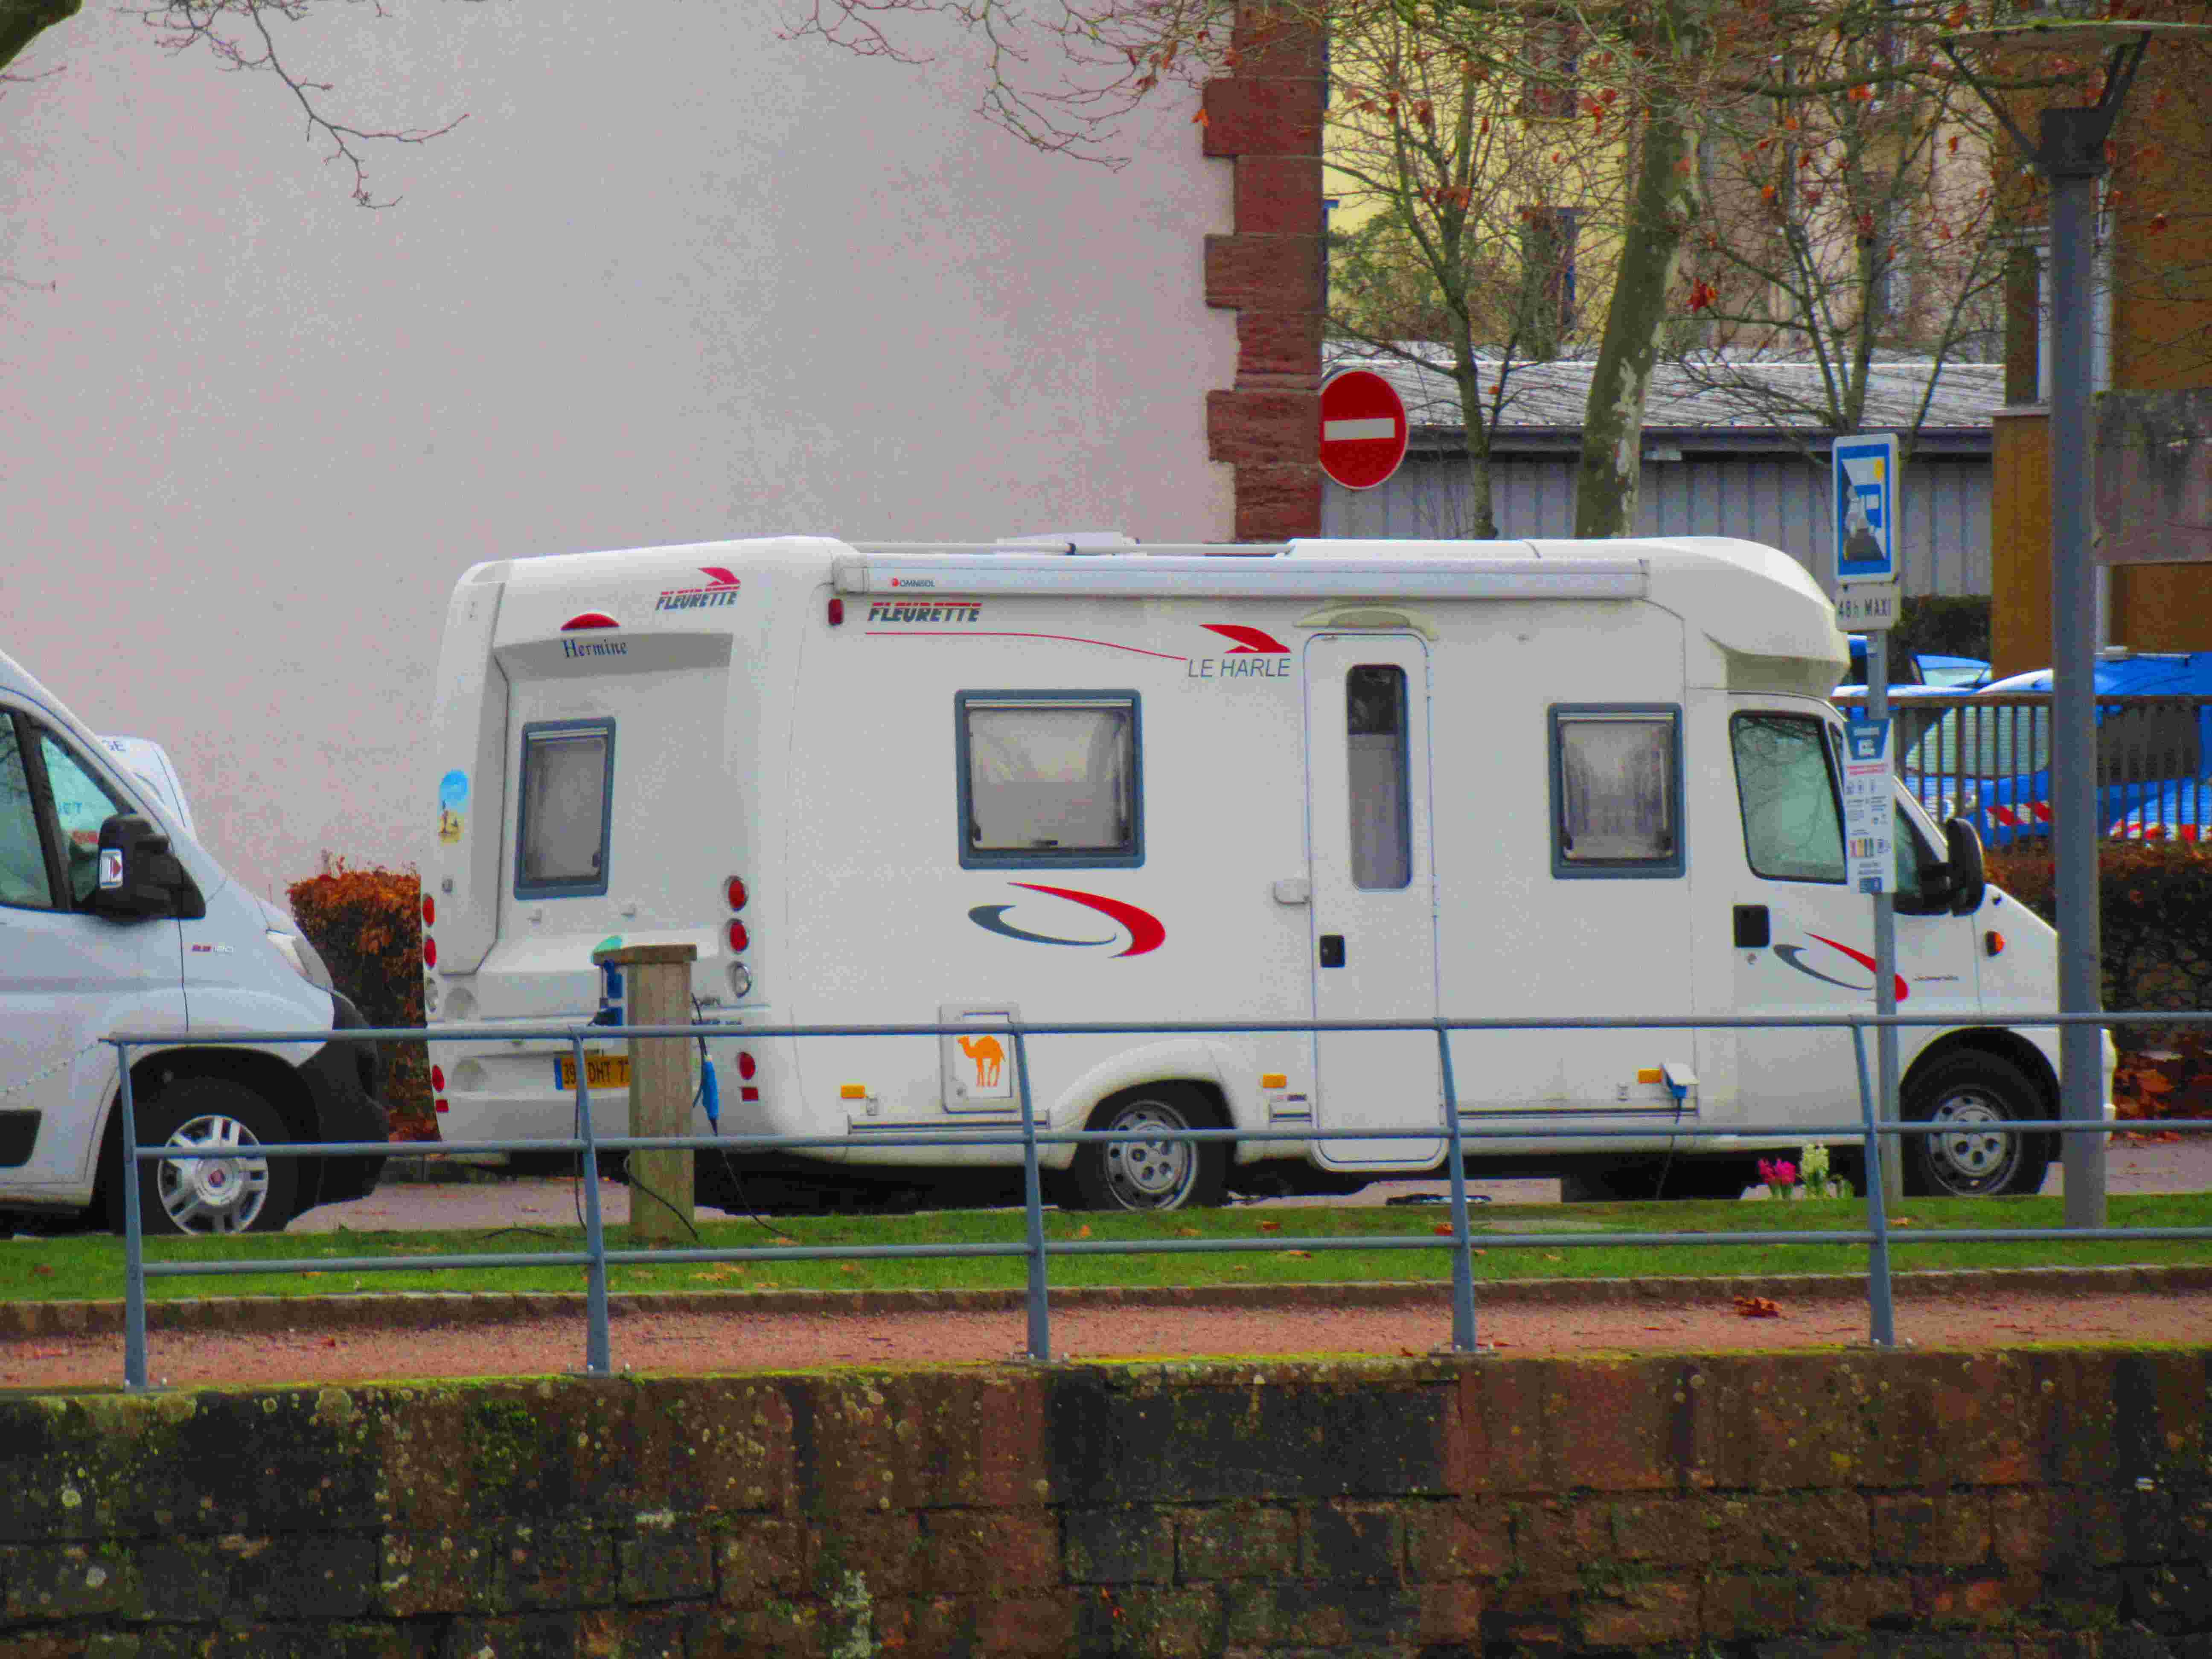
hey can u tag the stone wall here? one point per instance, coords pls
(2050, 1502)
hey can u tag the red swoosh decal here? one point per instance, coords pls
(727, 578)
(1865, 962)
(1248, 639)
(1145, 931)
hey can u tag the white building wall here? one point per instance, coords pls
(673, 279)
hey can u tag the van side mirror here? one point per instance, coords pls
(1969, 880)
(139, 879)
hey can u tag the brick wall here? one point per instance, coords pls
(1267, 116)
(2048, 1502)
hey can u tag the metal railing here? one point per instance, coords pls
(1987, 757)
(1871, 1132)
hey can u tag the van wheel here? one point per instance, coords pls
(228, 1190)
(1974, 1096)
(1152, 1175)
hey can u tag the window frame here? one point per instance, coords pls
(1401, 778)
(50, 816)
(525, 888)
(26, 730)
(1079, 857)
(1673, 866)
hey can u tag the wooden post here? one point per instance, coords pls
(658, 985)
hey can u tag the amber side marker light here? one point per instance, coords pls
(1993, 943)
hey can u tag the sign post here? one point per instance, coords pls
(1364, 431)
(1865, 500)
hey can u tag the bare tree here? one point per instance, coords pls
(242, 37)
(1480, 185)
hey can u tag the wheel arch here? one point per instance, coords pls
(1197, 1065)
(1994, 1039)
(267, 1075)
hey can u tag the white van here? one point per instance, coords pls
(148, 762)
(1327, 781)
(113, 918)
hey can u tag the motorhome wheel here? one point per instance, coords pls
(1152, 1175)
(1974, 1096)
(227, 1190)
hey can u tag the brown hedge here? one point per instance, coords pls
(368, 926)
(2155, 901)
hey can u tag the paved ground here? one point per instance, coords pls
(2131, 1167)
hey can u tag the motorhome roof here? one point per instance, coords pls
(1752, 600)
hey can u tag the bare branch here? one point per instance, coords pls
(238, 36)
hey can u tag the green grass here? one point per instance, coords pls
(74, 1268)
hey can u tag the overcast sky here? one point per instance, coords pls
(673, 279)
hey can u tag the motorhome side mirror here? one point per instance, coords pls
(1962, 844)
(139, 877)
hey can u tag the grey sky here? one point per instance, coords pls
(672, 280)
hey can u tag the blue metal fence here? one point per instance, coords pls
(1871, 1131)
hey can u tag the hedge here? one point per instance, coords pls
(2154, 900)
(368, 926)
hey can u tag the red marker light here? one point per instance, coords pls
(443, 1107)
(733, 892)
(588, 619)
(437, 1079)
(748, 1094)
(430, 911)
(836, 611)
(430, 951)
(737, 937)
(746, 1066)
(1993, 942)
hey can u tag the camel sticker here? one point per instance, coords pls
(989, 1058)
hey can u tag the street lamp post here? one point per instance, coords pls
(2069, 152)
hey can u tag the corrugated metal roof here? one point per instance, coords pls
(1774, 395)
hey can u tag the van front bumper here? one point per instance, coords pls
(343, 1080)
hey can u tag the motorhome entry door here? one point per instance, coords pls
(1370, 852)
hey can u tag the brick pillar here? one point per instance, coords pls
(1266, 116)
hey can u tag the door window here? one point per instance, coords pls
(568, 782)
(1616, 791)
(1381, 785)
(1785, 780)
(81, 805)
(24, 879)
(1049, 778)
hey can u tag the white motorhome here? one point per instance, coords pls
(1322, 782)
(114, 918)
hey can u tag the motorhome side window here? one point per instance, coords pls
(567, 788)
(1381, 788)
(1616, 791)
(24, 879)
(1049, 778)
(1785, 780)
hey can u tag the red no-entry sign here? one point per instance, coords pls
(1363, 428)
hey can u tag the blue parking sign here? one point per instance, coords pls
(1865, 496)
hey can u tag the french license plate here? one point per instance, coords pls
(600, 1071)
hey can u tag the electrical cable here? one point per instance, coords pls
(710, 1092)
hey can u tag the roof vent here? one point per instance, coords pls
(1069, 541)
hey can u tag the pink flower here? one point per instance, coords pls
(1785, 1174)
